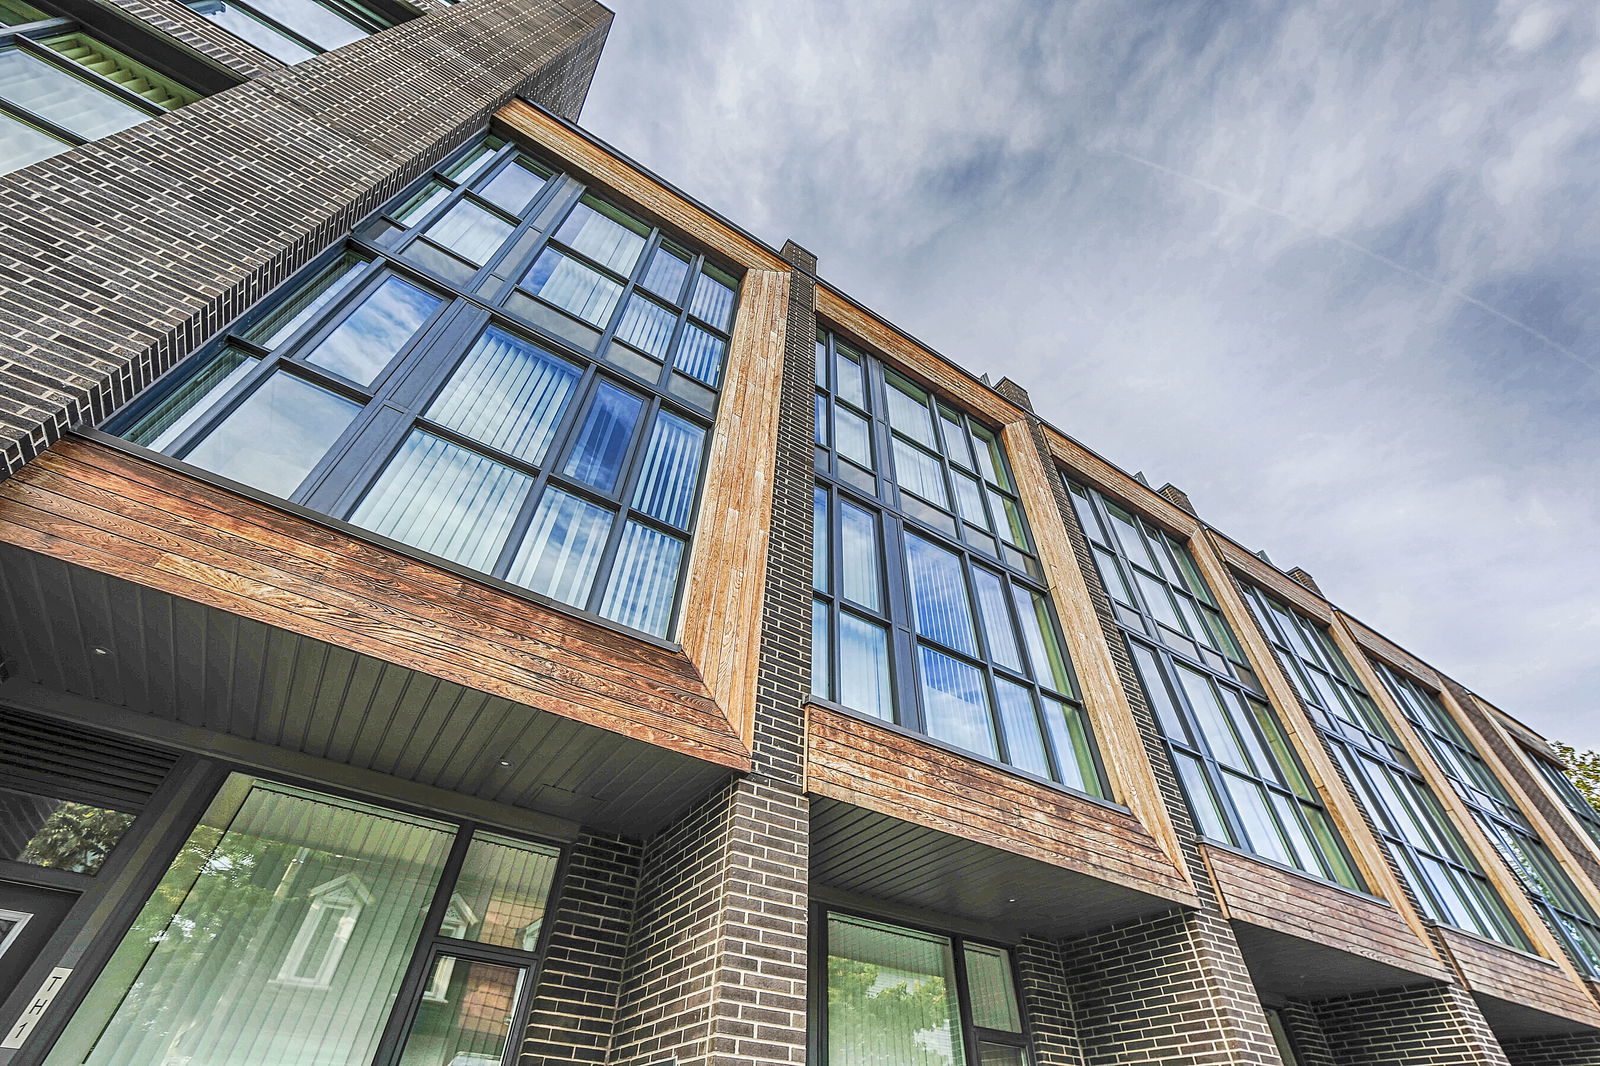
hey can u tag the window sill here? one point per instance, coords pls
(178, 466)
(993, 764)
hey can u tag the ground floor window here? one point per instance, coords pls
(298, 927)
(915, 998)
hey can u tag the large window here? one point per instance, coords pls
(1558, 900)
(1449, 884)
(911, 998)
(929, 609)
(508, 373)
(293, 30)
(1244, 783)
(1567, 792)
(60, 86)
(299, 927)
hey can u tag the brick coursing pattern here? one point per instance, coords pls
(121, 257)
(1306, 1038)
(1578, 1049)
(575, 1001)
(1421, 1025)
(195, 31)
(1047, 1003)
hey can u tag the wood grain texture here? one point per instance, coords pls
(861, 763)
(88, 504)
(1085, 466)
(1285, 902)
(1515, 976)
(721, 624)
(1279, 584)
(523, 122)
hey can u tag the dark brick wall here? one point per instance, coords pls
(1423, 1025)
(1574, 1050)
(119, 258)
(574, 1005)
(1047, 1002)
(195, 31)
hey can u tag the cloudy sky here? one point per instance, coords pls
(1331, 266)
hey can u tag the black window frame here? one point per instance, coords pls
(373, 16)
(392, 405)
(1017, 570)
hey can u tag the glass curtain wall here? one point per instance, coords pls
(930, 609)
(914, 998)
(503, 371)
(1563, 908)
(290, 923)
(1244, 783)
(1446, 880)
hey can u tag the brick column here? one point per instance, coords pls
(1047, 1002)
(1423, 1025)
(716, 971)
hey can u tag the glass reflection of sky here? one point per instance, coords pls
(364, 343)
(274, 438)
(559, 555)
(954, 704)
(939, 595)
(602, 443)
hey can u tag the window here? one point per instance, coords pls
(1448, 883)
(288, 925)
(1567, 793)
(930, 610)
(1243, 781)
(61, 87)
(914, 998)
(58, 834)
(1558, 900)
(381, 389)
(295, 30)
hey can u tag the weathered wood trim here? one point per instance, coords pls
(906, 355)
(523, 122)
(1280, 585)
(721, 616)
(1516, 976)
(1374, 643)
(1494, 867)
(94, 507)
(1087, 467)
(1261, 894)
(857, 762)
(1116, 732)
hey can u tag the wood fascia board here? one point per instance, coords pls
(1374, 643)
(1105, 701)
(1488, 859)
(1280, 585)
(1125, 489)
(526, 123)
(1341, 805)
(915, 361)
(721, 616)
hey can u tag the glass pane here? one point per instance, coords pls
(501, 893)
(59, 834)
(1024, 743)
(671, 471)
(891, 996)
(571, 286)
(994, 1000)
(700, 355)
(276, 435)
(991, 459)
(307, 300)
(465, 1015)
(433, 194)
(59, 97)
(1043, 639)
(602, 443)
(939, 595)
(1009, 516)
(1069, 738)
(969, 499)
(1211, 716)
(996, 614)
(647, 326)
(852, 381)
(859, 555)
(514, 187)
(1160, 699)
(644, 580)
(280, 933)
(908, 410)
(664, 276)
(191, 399)
(864, 667)
(508, 394)
(851, 433)
(445, 499)
(821, 651)
(22, 144)
(992, 1054)
(1202, 800)
(955, 707)
(316, 22)
(562, 548)
(470, 231)
(957, 445)
(917, 471)
(604, 234)
(471, 165)
(382, 323)
(712, 300)
(1250, 801)
(821, 578)
(271, 40)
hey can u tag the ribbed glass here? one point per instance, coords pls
(671, 471)
(700, 355)
(939, 595)
(507, 393)
(562, 548)
(647, 326)
(644, 579)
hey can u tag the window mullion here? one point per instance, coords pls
(26, 43)
(55, 130)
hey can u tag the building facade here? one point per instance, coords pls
(466, 602)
